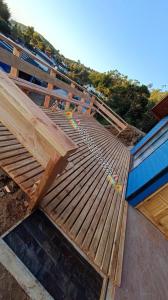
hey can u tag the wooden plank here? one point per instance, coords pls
(155, 208)
(118, 272)
(30, 125)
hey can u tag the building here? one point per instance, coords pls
(148, 177)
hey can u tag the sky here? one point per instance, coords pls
(128, 35)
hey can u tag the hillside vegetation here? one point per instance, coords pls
(129, 98)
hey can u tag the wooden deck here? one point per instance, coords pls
(82, 202)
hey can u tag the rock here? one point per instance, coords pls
(26, 203)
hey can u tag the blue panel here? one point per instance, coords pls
(150, 134)
(148, 169)
(149, 190)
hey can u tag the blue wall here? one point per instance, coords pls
(151, 173)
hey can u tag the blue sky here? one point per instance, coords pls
(128, 35)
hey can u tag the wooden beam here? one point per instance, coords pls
(14, 71)
(114, 118)
(50, 87)
(91, 105)
(54, 167)
(33, 129)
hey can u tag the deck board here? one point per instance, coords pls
(82, 202)
(16, 161)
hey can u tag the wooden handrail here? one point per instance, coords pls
(73, 88)
(31, 87)
(47, 143)
(34, 130)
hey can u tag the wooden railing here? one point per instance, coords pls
(47, 143)
(54, 79)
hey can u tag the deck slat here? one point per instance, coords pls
(82, 202)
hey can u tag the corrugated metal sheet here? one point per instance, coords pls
(151, 167)
(152, 132)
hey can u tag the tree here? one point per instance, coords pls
(157, 94)
(132, 103)
(28, 34)
(4, 18)
(4, 11)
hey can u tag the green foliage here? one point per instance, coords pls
(4, 11)
(132, 103)
(156, 95)
(4, 26)
(4, 18)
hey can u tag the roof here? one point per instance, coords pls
(149, 135)
(160, 110)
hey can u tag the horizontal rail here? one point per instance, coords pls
(108, 114)
(14, 61)
(74, 89)
(31, 87)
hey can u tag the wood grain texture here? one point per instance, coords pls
(155, 208)
(35, 131)
(82, 202)
(145, 268)
(17, 162)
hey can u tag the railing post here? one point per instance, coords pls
(91, 105)
(80, 107)
(82, 102)
(70, 96)
(49, 87)
(54, 167)
(14, 72)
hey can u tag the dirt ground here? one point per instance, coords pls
(13, 208)
(129, 137)
(13, 203)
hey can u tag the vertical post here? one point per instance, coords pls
(70, 96)
(80, 107)
(49, 87)
(14, 72)
(54, 167)
(91, 105)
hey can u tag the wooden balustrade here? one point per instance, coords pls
(72, 88)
